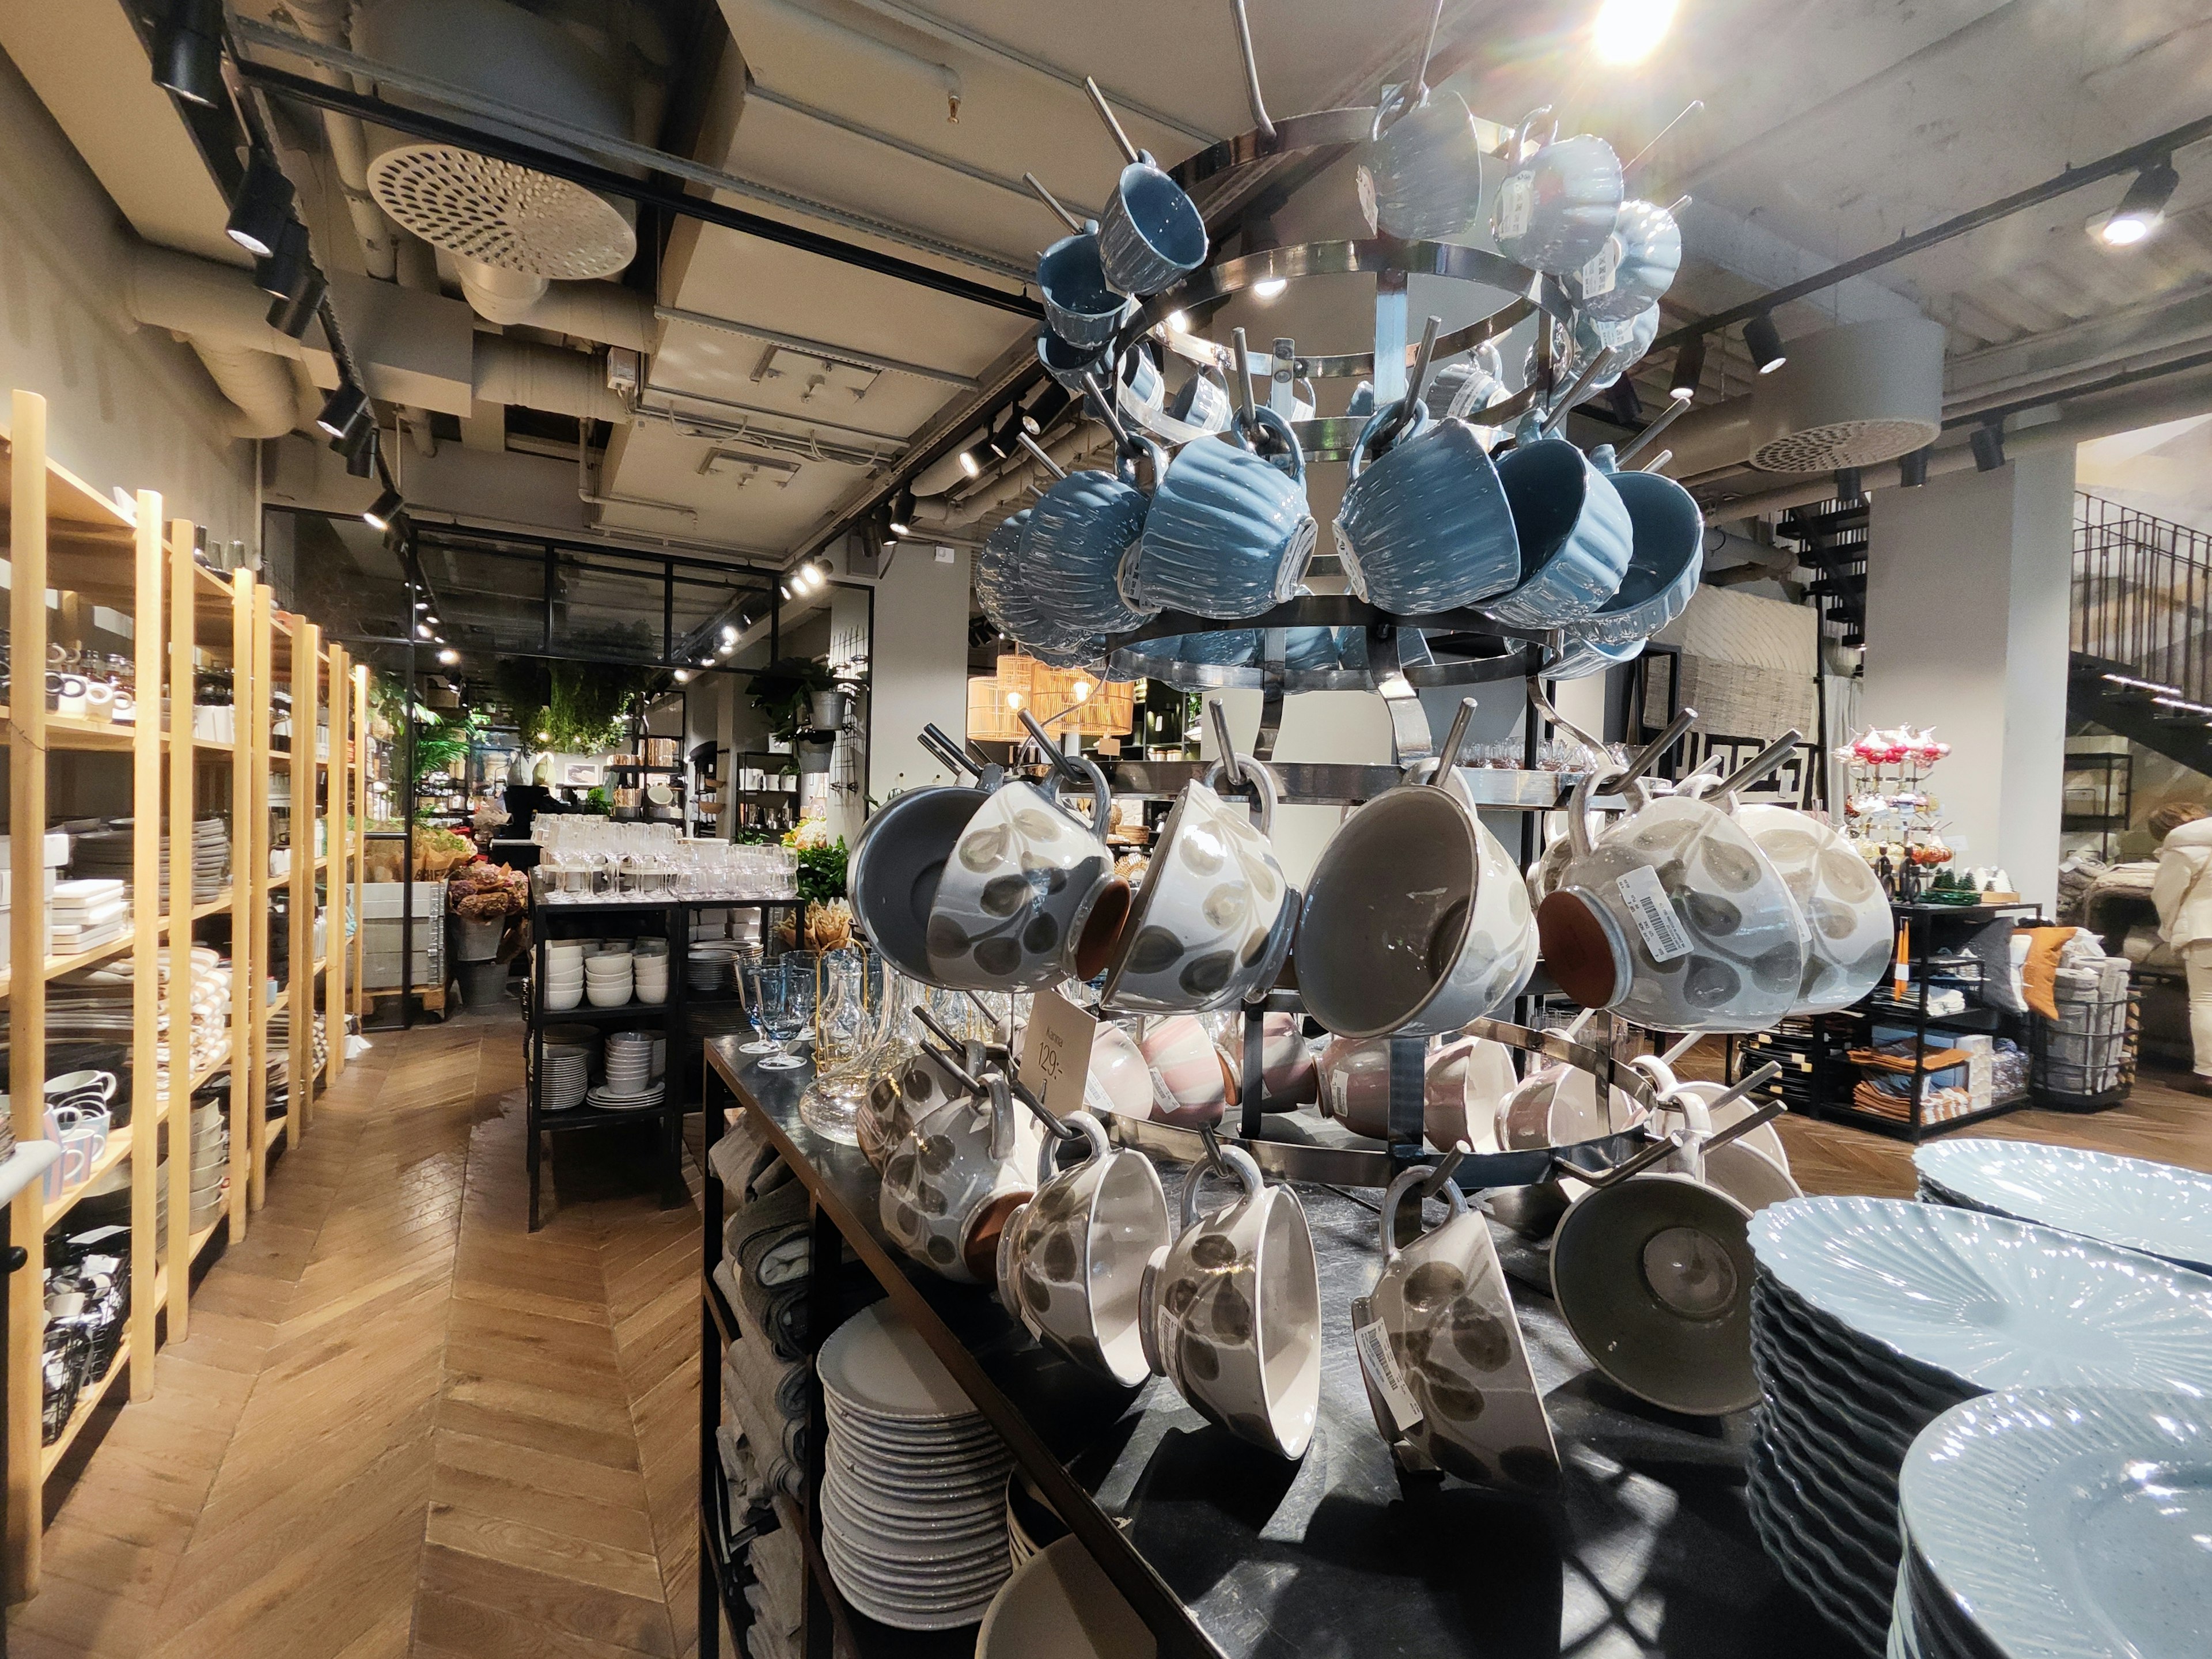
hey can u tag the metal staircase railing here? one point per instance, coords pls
(2143, 598)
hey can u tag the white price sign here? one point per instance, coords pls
(1056, 1052)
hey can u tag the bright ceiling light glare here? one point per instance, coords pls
(380, 516)
(706, 662)
(1628, 31)
(2143, 209)
(449, 656)
(421, 604)
(729, 633)
(787, 590)
(188, 51)
(422, 630)
(682, 676)
(1270, 288)
(262, 208)
(1178, 322)
(1013, 700)
(969, 465)
(1764, 340)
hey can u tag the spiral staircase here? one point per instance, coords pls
(2142, 647)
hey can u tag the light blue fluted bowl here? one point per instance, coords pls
(1574, 534)
(1664, 568)
(1577, 659)
(1151, 234)
(1079, 305)
(1068, 364)
(1229, 535)
(1071, 552)
(1180, 659)
(1427, 526)
(1018, 608)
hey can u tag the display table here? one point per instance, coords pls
(1225, 1550)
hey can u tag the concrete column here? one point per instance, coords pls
(1968, 586)
(918, 667)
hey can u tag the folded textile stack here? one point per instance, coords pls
(96, 1004)
(85, 914)
(106, 853)
(776, 1595)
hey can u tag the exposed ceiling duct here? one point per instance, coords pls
(260, 387)
(512, 231)
(327, 22)
(1850, 397)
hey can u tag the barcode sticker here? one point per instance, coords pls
(1517, 206)
(1597, 276)
(1373, 1343)
(1664, 936)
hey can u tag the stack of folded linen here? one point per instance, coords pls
(85, 914)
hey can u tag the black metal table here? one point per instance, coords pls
(1225, 1550)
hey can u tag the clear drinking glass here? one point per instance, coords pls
(748, 970)
(786, 1002)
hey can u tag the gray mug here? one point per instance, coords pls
(1078, 540)
(1420, 175)
(1152, 232)
(1575, 532)
(1079, 305)
(1425, 526)
(1230, 533)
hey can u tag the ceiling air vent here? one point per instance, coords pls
(1850, 397)
(501, 214)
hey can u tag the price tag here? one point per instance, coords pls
(1372, 1344)
(1664, 936)
(1614, 330)
(1597, 276)
(1365, 181)
(1056, 1052)
(1517, 206)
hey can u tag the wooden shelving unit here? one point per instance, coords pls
(63, 536)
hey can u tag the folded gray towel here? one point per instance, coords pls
(779, 1384)
(776, 1563)
(766, 1222)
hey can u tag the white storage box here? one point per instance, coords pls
(386, 898)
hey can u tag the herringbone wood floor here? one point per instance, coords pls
(404, 1424)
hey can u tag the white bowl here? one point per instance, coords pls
(557, 1001)
(610, 997)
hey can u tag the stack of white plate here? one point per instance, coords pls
(914, 1503)
(1032, 1524)
(2133, 1202)
(564, 975)
(707, 963)
(568, 1068)
(649, 969)
(1872, 1317)
(2058, 1523)
(607, 979)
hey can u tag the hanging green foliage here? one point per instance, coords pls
(574, 708)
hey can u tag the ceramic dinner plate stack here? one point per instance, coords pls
(2058, 1523)
(569, 1052)
(914, 1501)
(708, 964)
(1872, 1317)
(2156, 1208)
(633, 1079)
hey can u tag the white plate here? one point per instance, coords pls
(892, 1603)
(945, 1432)
(1060, 1603)
(900, 1506)
(2129, 1201)
(2069, 1524)
(1994, 1302)
(878, 1363)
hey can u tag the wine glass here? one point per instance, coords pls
(747, 969)
(786, 1004)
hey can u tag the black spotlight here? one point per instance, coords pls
(360, 452)
(291, 316)
(1988, 442)
(342, 409)
(1622, 402)
(1764, 340)
(1912, 468)
(380, 516)
(188, 51)
(1848, 485)
(2143, 208)
(902, 514)
(1049, 405)
(284, 272)
(262, 208)
(1689, 370)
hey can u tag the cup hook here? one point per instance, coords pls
(1074, 225)
(1265, 127)
(1455, 740)
(1113, 125)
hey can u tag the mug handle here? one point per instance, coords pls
(1093, 1131)
(1408, 1179)
(1262, 781)
(106, 1085)
(1102, 799)
(1277, 428)
(1386, 422)
(1237, 1161)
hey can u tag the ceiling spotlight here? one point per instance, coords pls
(188, 51)
(787, 590)
(380, 516)
(744, 621)
(431, 617)
(342, 408)
(1689, 370)
(724, 648)
(682, 676)
(290, 315)
(421, 604)
(2143, 207)
(902, 518)
(706, 662)
(1912, 468)
(1764, 340)
(284, 272)
(422, 630)
(262, 208)
(361, 450)
(449, 656)
(1988, 444)
(1627, 31)
(969, 465)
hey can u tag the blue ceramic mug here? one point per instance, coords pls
(1068, 364)
(1079, 305)
(1229, 532)
(1666, 558)
(1152, 232)
(1077, 538)
(1425, 525)
(1024, 610)
(1576, 537)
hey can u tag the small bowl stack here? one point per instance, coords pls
(707, 965)
(608, 980)
(564, 975)
(649, 969)
(633, 1073)
(569, 1050)
(914, 1503)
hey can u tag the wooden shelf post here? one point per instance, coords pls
(183, 809)
(146, 1102)
(245, 920)
(257, 1106)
